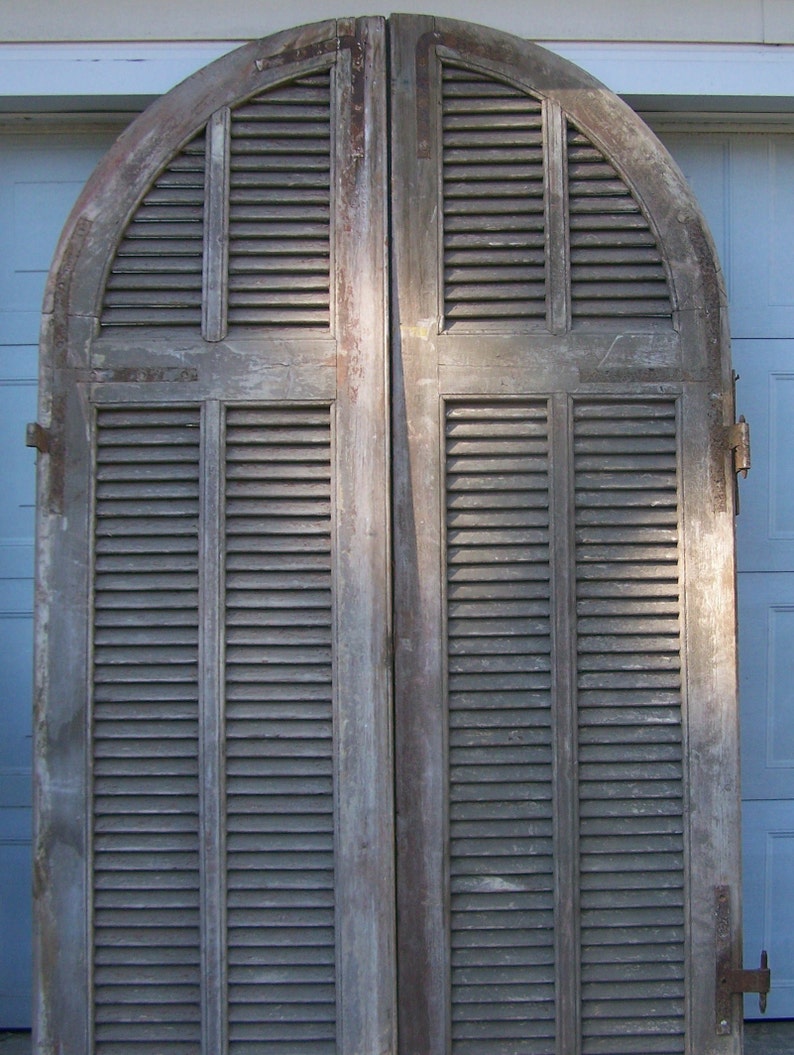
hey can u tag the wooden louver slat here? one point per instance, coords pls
(146, 952)
(280, 204)
(279, 732)
(617, 274)
(630, 731)
(156, 275)
(501, 866)
(494, 254)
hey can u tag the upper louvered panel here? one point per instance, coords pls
(280, 206)
(156, 275)
(630, 733)
(493, 198)
(617, 274)
(145, 732)
(279, 735)
(500, 755)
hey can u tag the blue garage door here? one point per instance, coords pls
(745, 184)
(41, 173)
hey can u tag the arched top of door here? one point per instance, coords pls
(559, 210)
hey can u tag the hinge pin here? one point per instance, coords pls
(37, 436)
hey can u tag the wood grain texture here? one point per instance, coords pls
(622, 533)
(216, 227)
(156, 276)
(562, 789)
(500, 755)
(280, 206)
(279, 863)
(146, 787)
(245, 903)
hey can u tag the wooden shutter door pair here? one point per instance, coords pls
(216, 742)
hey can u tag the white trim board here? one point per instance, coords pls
(95, 71)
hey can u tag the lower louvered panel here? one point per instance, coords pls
(279, 729)
(146, 956)
(500, 752)
(630, 733)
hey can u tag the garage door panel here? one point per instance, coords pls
(765, 395)
(41, 174)
(766, 617)
(744, 184)
(768, 912)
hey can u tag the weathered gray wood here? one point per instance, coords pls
(362, 634)
(270, 532)
(632, 826)
(420, 757)
(216, 227)
(312, 795)
(145, 800)
(558, 264)
(509, 748)
(567, 903)
(280, 243)
(279, 721)
(212, 802)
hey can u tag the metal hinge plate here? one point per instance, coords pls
(732, 980)
(738, 440)
(37, 436)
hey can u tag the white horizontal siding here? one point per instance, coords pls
(758, 21)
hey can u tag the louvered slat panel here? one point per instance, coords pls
(280, 796)
(280, 195)
(500, 754)
(494, 228)
(145, 733)
(617, 272)
(156, 275)
(630, 735)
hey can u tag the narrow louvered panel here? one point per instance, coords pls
(145, 732)
(630, 732)
(280, 206)
(156, 275)
(493, 200)
(500, 755)
(617, 272)
(280, 794)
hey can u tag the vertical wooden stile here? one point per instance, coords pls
(420, 719)
(212, 788)
(362, 588)
(216, 227)
(565, 769)
(558, 307)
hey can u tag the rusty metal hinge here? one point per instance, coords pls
(738, 439)
(732, 980)
(37, 436)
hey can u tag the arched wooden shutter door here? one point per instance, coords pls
(210, 779)
(565, 696)
(215, 819)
